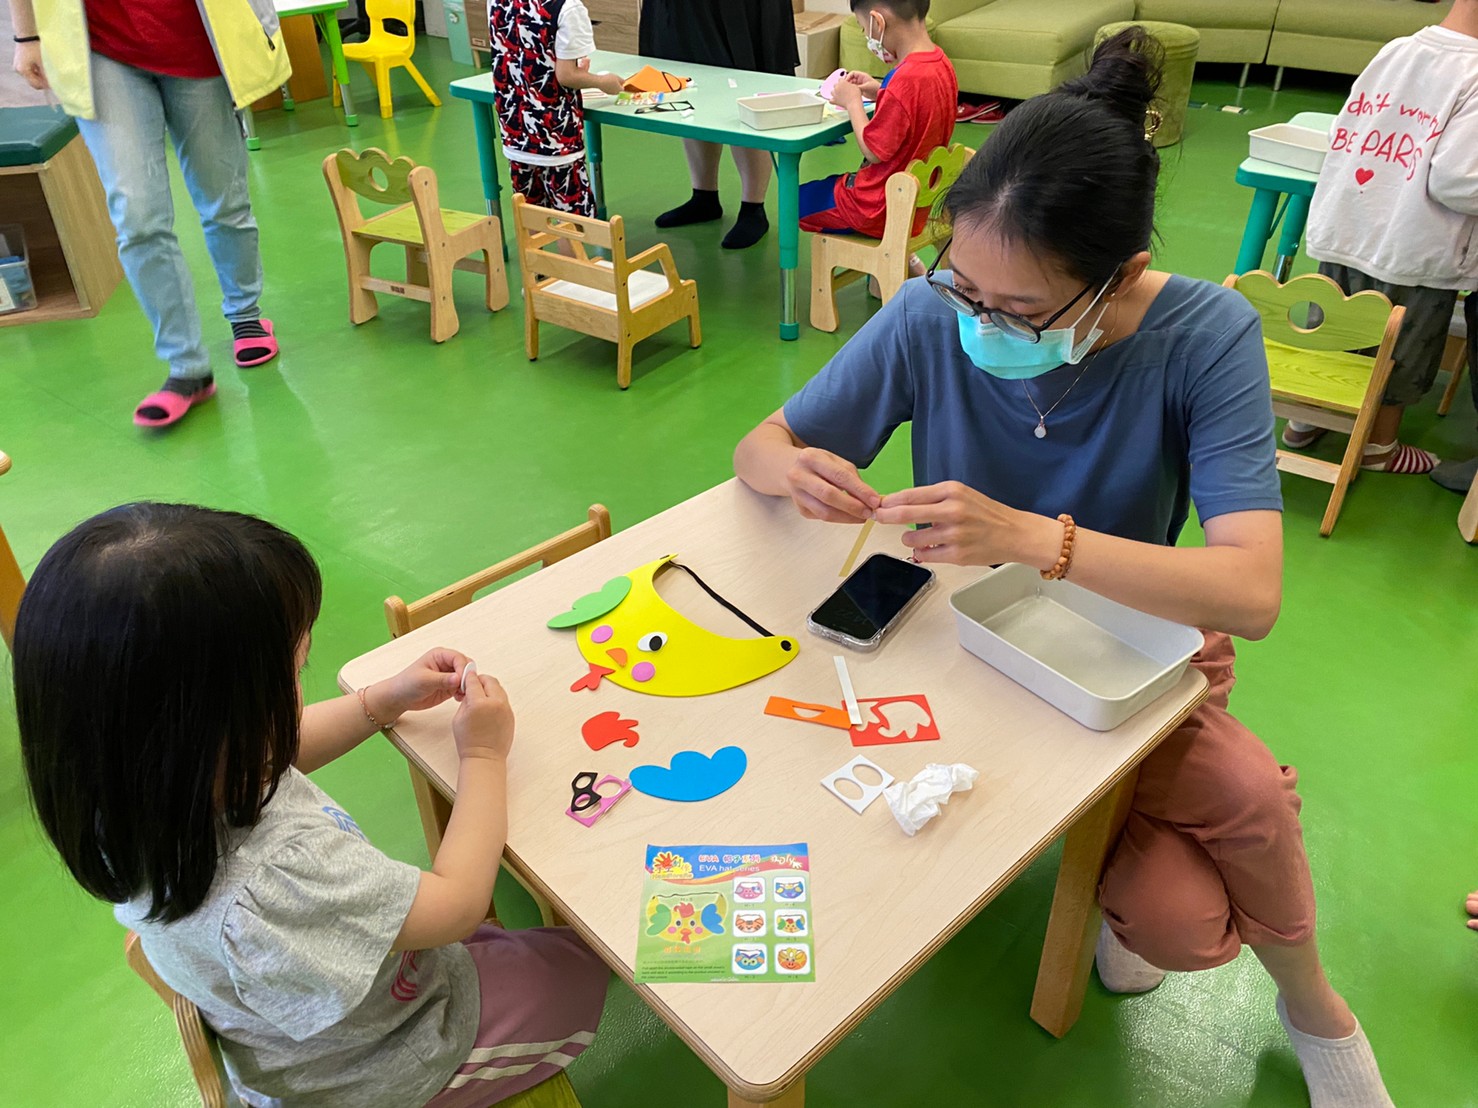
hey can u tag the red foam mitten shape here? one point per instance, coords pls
(607, 728)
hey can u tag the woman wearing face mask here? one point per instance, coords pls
(1068, 402)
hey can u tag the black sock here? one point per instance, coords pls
(749, 228)
(181, 386)
(250, 329)
(701, 207)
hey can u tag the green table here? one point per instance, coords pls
(715, 118)
(1270, 181)
(323, 13)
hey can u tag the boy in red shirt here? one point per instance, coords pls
(915, 113)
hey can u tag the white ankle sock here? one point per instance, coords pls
(1340, 1073)
(1120, 969)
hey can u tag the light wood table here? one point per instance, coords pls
(883, 902)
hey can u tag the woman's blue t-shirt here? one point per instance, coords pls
(1180, 410)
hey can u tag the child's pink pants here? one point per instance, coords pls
(1212, 855)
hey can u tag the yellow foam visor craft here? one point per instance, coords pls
(654, 648)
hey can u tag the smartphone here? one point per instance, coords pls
(871, 602)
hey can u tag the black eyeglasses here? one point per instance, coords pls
(1010, 322)
(666, 106)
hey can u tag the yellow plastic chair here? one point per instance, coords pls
(911, 190)
(403, 618)
(203, 1052)
(1316, 376)
(385, 50)
(12, 583)
(436, 240)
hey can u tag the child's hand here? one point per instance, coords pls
(426, 682)
(1473, 910)
(846, 95)
(610, 82)
(483, 726)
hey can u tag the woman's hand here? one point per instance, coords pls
(1473, 910)
(968, 528)
(483, 726)
(432, 678)
(824, 486)
(28, 64)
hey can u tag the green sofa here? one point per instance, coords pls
(1020, 48)
(1342, 36)
(1013, 48)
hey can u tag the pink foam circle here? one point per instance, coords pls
(643, 671)
(602, 633)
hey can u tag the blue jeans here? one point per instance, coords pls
(134, 110)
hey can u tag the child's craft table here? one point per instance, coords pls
(1270, 181)
(884, 902)
(715, 118)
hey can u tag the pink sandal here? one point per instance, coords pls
(256, 342)
(172, 404)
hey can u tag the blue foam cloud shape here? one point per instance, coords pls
(692, 776)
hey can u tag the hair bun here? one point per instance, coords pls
(1124, 74)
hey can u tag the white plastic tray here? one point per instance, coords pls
(1090, 657)
(1284, 144)
(785, 109)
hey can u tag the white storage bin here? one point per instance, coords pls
(1093, 658)
(785, 109)
(1284, 144)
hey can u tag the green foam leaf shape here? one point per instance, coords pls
(594, 604)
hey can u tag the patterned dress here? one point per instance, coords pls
(542, 121)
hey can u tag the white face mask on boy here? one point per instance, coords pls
(875, 42)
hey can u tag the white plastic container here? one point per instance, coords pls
(1284, 144)
(785, 109)
(1090, 657)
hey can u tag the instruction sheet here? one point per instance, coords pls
(726, 913)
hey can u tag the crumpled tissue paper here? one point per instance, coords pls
(914, 803)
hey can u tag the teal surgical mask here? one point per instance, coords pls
(1012, 358)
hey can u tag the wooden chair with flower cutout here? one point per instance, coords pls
(436, 240)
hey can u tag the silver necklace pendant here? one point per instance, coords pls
(1040, 430)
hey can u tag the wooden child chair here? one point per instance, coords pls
(616, 300)
(12, 583)
(911, 191)
(203, 1051)
(436, 240)
(402, 618)
(1316, 376)
(385, 50)
(1454, 356)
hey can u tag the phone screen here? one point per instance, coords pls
(872, 597)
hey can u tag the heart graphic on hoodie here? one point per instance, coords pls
(1363, 176)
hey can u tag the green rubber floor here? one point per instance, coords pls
(405, 465)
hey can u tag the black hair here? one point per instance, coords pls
(903, 9)
(1071, 174)
(156, 689)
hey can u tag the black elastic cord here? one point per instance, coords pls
(26, 38)
(702, 585)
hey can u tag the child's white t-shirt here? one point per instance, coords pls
(289, 961)
(1398, 195)
(574, 37)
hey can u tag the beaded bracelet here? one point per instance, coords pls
(367, 713)
(1065, 559)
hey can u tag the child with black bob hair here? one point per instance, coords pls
(165, 740)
